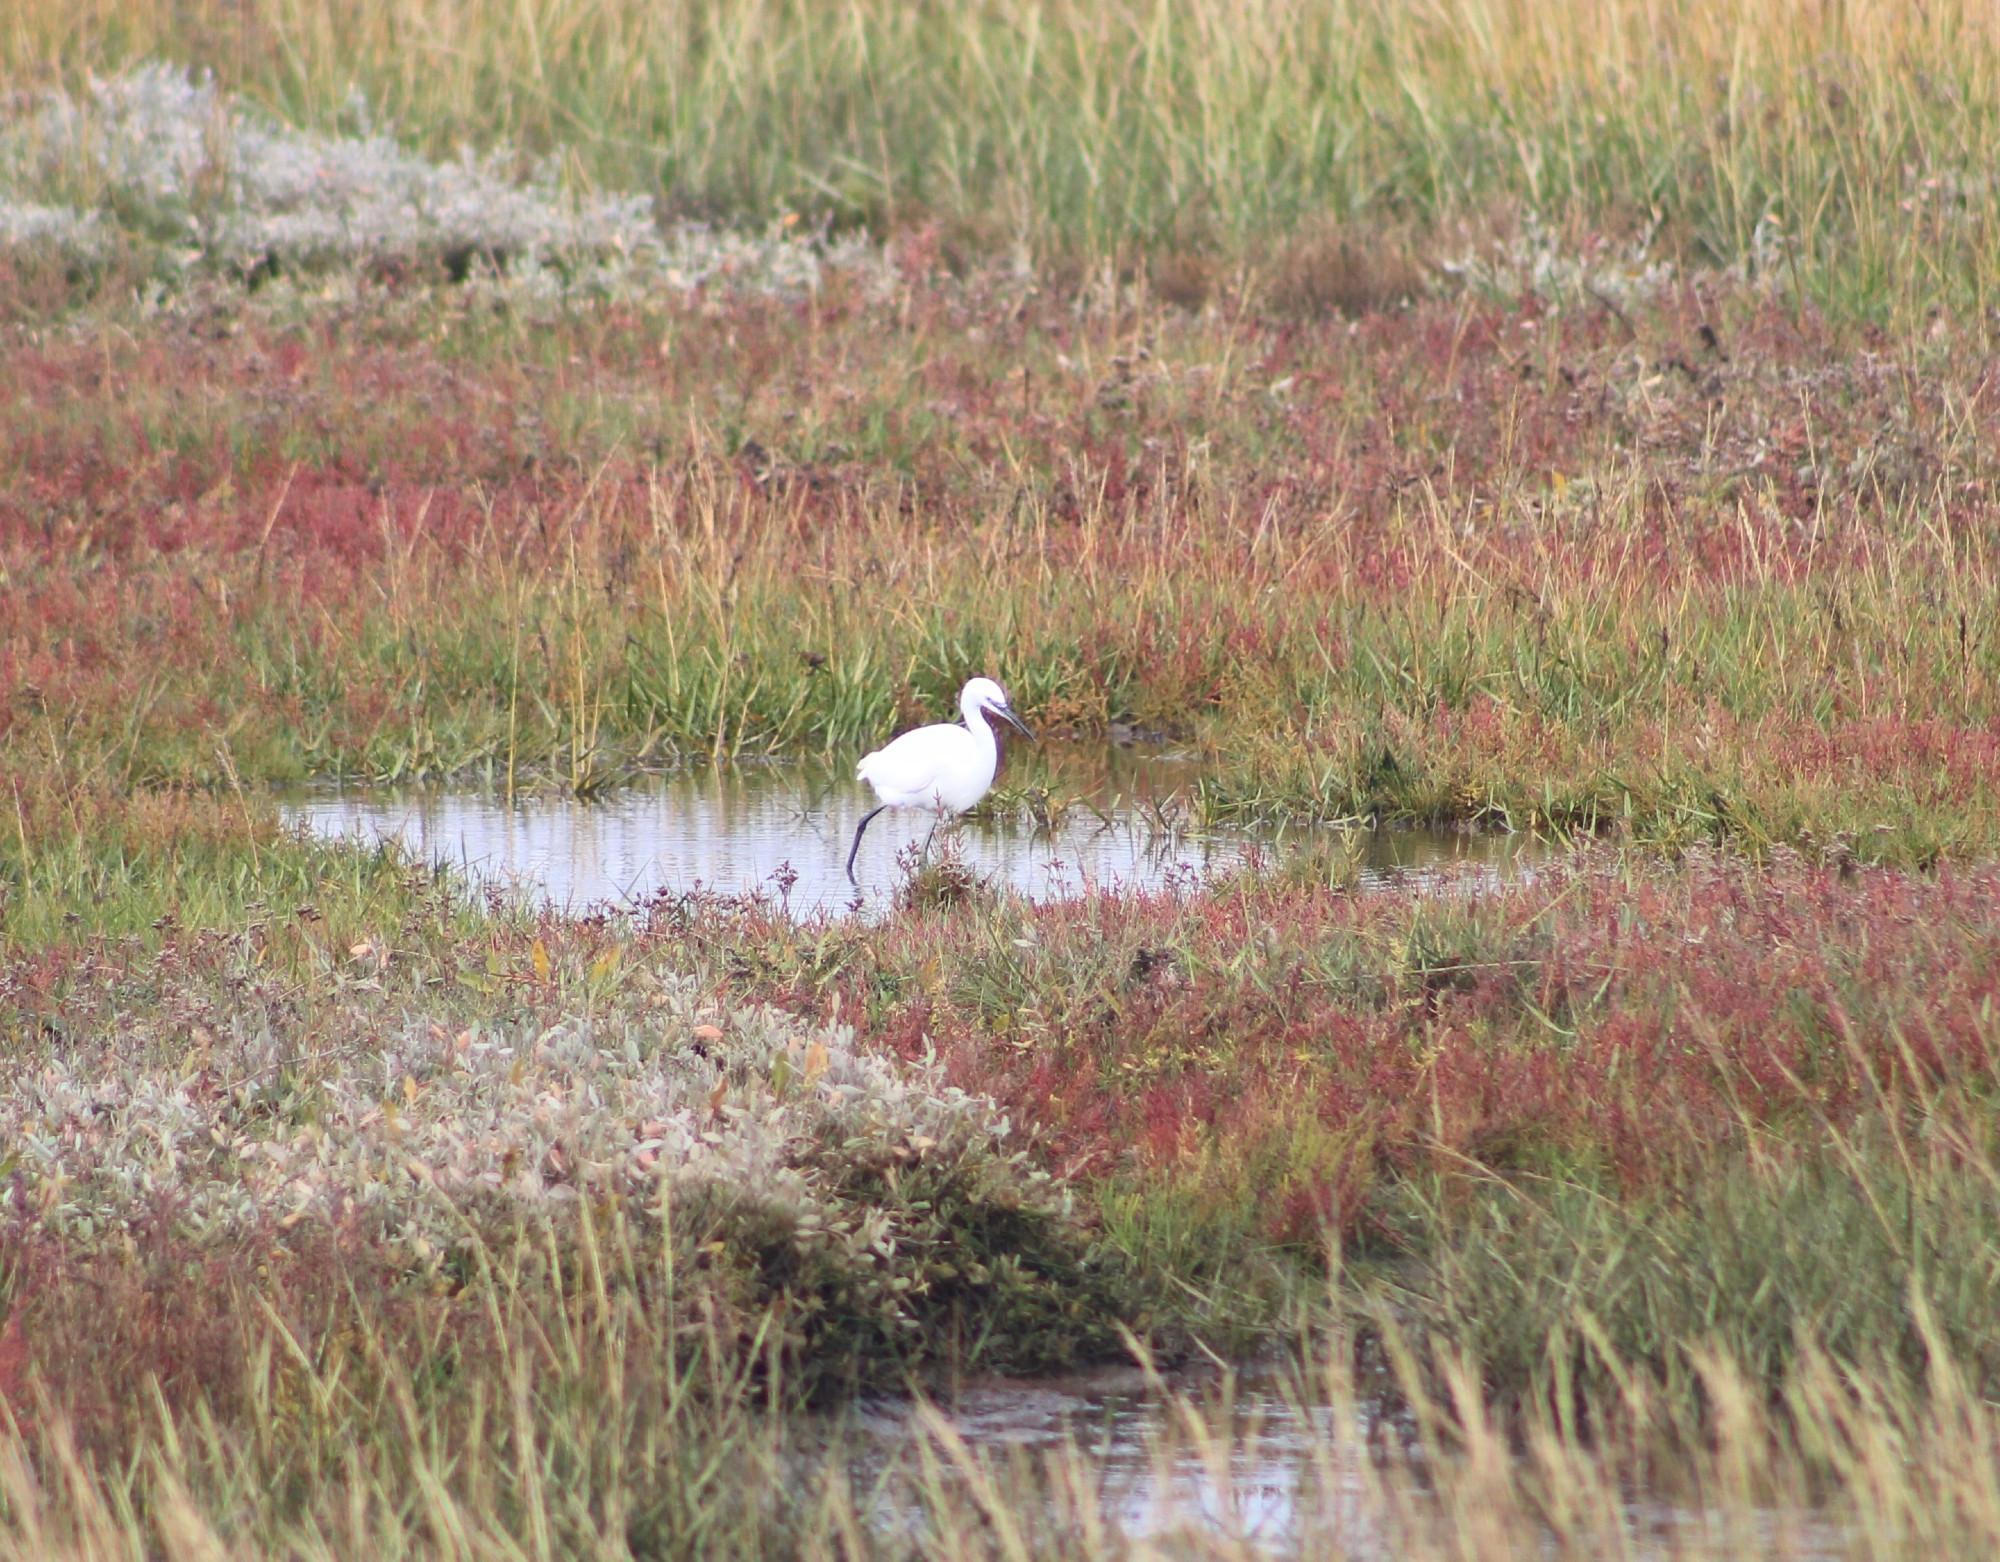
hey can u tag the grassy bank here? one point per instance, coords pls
(1690, 571)
(1839, 148)
(1676, 1175)
(1726, 1102)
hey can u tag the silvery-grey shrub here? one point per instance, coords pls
(165, 160)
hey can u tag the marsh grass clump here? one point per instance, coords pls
(1850, 1249)
(1329, 859)
(858, 1216)
(1332, 268)
(939, 881)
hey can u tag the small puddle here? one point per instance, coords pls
(1253, 1463)
(1069, 818)
(1235, 1457)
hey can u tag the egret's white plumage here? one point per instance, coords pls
(947, 767)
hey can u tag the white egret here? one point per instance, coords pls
(948, 767)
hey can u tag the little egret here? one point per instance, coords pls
(948, 767)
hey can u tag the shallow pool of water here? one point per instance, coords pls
(1069, 817)
(1230, 1457)
(1250, 1464)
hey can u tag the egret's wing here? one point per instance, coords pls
(907, 772)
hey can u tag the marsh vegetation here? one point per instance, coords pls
(1475, 417)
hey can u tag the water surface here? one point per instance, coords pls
(1068, 817)
(1254, 1462)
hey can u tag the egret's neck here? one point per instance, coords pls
(976, 722)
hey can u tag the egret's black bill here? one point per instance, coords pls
(1012, 720)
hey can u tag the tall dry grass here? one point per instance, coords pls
(1844, 147)
(583, 1451)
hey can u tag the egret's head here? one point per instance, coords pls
(984, 697)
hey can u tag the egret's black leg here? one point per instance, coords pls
(855, 850)
(924, 856)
